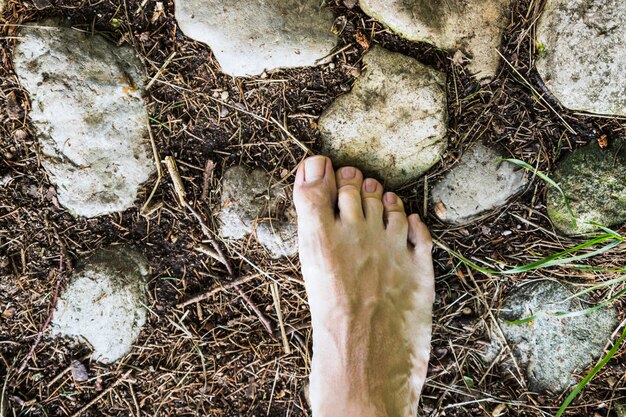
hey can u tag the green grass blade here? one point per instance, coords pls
(582, 384)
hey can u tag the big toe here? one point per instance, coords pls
(315, 191)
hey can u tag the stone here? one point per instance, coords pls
(480, 182)
(250, 36)
(104, 303)
(553, 349)
(472, 26)
(89, 116)
(252, 204)
(393, 122)
(594, 181)
(582, 54)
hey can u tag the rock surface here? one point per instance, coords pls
(89, 116)
(393, 122)
(478, 183)
(249, 36)
(552, 349)
(104, 303)
(472, 26)
(594, 180)
(251, 205)
(582, 54)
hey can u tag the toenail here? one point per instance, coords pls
(314, 168)
(348, 173)
(391, 198)
(370, 185)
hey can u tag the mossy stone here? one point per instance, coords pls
(594, 181)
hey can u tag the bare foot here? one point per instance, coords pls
(369, 277)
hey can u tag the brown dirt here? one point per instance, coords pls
(215, 358)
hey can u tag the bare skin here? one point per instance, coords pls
(369, 278)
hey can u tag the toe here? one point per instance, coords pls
(372, 200)
(315, 191)
(394, 215)
(419, 236)
(349, 182)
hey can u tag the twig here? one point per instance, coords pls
(52, 305)
(279, 314)
(160, 71)
(179, 187)
(180, 192)
(215, 290)
(102, 394)
(157, 161)
(208, 171)
(529, 85)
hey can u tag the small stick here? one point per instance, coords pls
(208, 171)
(217, 289)
(52, 305)
(260, 315)
(209, 235)
(279, 314)
(160, 71)
(102, 394)
(179, 187)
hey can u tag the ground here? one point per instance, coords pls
(215, 357)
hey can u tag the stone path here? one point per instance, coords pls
(472, 26)
(251, 204)
(594, 180)
(582, 55)
(552, 349)
(393, 122)
(105, 303)
(90, 119)
(479, 183)
(249, 36)
(89, 115)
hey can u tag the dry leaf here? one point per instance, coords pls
(440, 209)
(8, 313)
(603, 141)
(350, 3)
(461, 276)
(362, 40)
(499, 410)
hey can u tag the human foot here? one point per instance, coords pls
(369, 278)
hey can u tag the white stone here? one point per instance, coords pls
(89, 115)
(473, 26)
(478, 183)
(554, 349)
(105, 303)
(251, 203)
(393, 122)
(250, 36)
(582, 54)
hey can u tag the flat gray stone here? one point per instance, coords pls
(250, 36)
(552, 349)
(393, 122)
(480, 182)
(594, 180)
(582, 54)
(89, 115)
(105, 303)
(252, 204)
(472, 26)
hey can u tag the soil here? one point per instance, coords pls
(215, 357)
